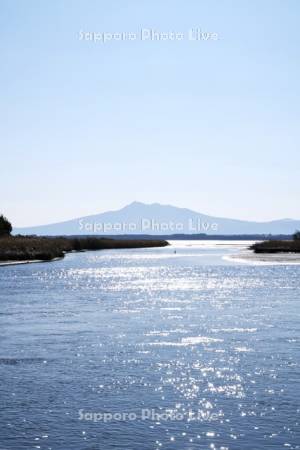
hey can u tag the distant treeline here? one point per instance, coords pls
(18, 248)
(200, 237)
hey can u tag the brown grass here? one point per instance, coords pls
(277, 247)
(18, 248)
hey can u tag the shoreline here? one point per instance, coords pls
(34, 249)
(28, 261)
(250, 257)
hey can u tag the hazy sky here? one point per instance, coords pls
(90, 126)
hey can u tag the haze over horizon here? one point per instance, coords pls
(212, 126)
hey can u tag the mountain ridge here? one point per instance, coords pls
(157, 219)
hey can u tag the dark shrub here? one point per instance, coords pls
(296, 235)
(5, 226)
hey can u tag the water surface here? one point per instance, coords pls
(209, 346)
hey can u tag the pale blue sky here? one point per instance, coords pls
(87, 127)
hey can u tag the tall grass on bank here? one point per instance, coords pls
(276, 247)
(18, 248)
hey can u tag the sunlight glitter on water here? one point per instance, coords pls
(120, 331)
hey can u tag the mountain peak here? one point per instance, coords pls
(133, 205)
(136, 203)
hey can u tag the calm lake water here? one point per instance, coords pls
(183, 351)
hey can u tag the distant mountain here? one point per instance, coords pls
(140, 218)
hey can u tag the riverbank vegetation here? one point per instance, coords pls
(5, 226)
(278, 246)
(19, 248)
